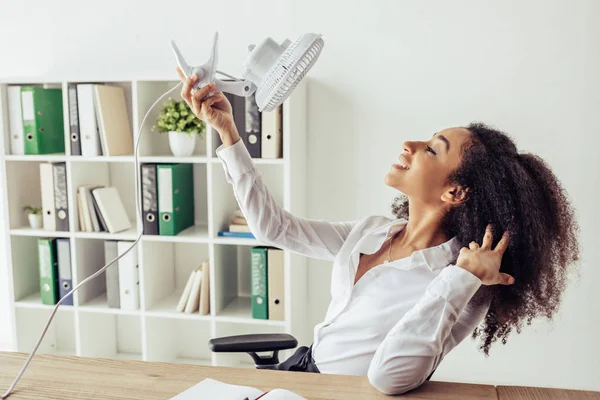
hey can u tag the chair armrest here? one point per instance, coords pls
(253, 343)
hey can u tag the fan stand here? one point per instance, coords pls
(206, 74)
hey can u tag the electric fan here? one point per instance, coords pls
(271, 70)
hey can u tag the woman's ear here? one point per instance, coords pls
(455, 195)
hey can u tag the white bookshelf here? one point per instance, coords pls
(155, 332)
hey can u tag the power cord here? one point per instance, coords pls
(140, 216)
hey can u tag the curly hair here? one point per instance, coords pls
(518, 193)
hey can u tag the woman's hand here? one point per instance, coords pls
(215, 110)
(483, 262)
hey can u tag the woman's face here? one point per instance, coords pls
(429, 164)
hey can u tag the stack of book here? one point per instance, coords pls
(35, 120)
(54, 262)
(101, 209)
(122, 276)
(167, 198)
(195, 296)
(238, 226)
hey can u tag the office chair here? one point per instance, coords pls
(254, 343)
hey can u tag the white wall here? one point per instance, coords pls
(390, 71)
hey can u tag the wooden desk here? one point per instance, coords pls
(536, 393)
(59, 377)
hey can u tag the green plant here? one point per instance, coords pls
(32, 209)
(178, 116)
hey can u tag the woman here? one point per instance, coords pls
(406, 291)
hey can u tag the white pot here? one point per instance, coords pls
(182, 144)
(35, 221)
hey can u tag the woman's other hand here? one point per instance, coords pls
(484, 262)
(215, 110)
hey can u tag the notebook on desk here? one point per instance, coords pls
(213, 389)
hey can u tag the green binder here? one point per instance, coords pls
(48, 265)
(258, 281)
(42, 114)
(175, 197)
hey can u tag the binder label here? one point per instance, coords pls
(27, 104)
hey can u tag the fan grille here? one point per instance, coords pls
(295, 62)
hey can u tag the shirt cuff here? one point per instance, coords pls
(456, 285)
(236, 158)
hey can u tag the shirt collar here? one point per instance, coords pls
(435, 257)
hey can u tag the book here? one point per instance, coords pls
(113, 120)
(205, 289)
(239, 228)
(239, 221)
(185, 295)
(214, 389)
(193, 303)
(111, 207)
(236, 234)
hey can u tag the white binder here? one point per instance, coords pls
(17, 142)
(271, 133)
(47, 189)
(129, 282)
(88, 126)
(275, 284)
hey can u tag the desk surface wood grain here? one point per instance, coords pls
(60, 377)
(538, 393)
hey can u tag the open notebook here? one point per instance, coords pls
(213, 389)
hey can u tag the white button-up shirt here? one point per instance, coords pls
(400, 319)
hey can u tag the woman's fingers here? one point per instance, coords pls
(186, 90)
(487, 238)
(180, 73)
(473, 245)
(197, 97)
(506, 279)
(503, 243)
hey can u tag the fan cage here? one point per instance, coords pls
(284, 76)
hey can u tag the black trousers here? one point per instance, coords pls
(302, 361)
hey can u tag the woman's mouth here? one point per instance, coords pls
(401, 165)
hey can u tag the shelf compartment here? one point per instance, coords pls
(110, 336)
(60, 337)
(167, 267)
(23, 179)
(90, 258)
(120, 175)
(127, 86)
(154, 143)
(179, 341)
(232, 286)
(224, 201)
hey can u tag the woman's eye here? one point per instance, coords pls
(431, 150)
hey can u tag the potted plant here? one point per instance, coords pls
(34, 214)
(177, 119)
